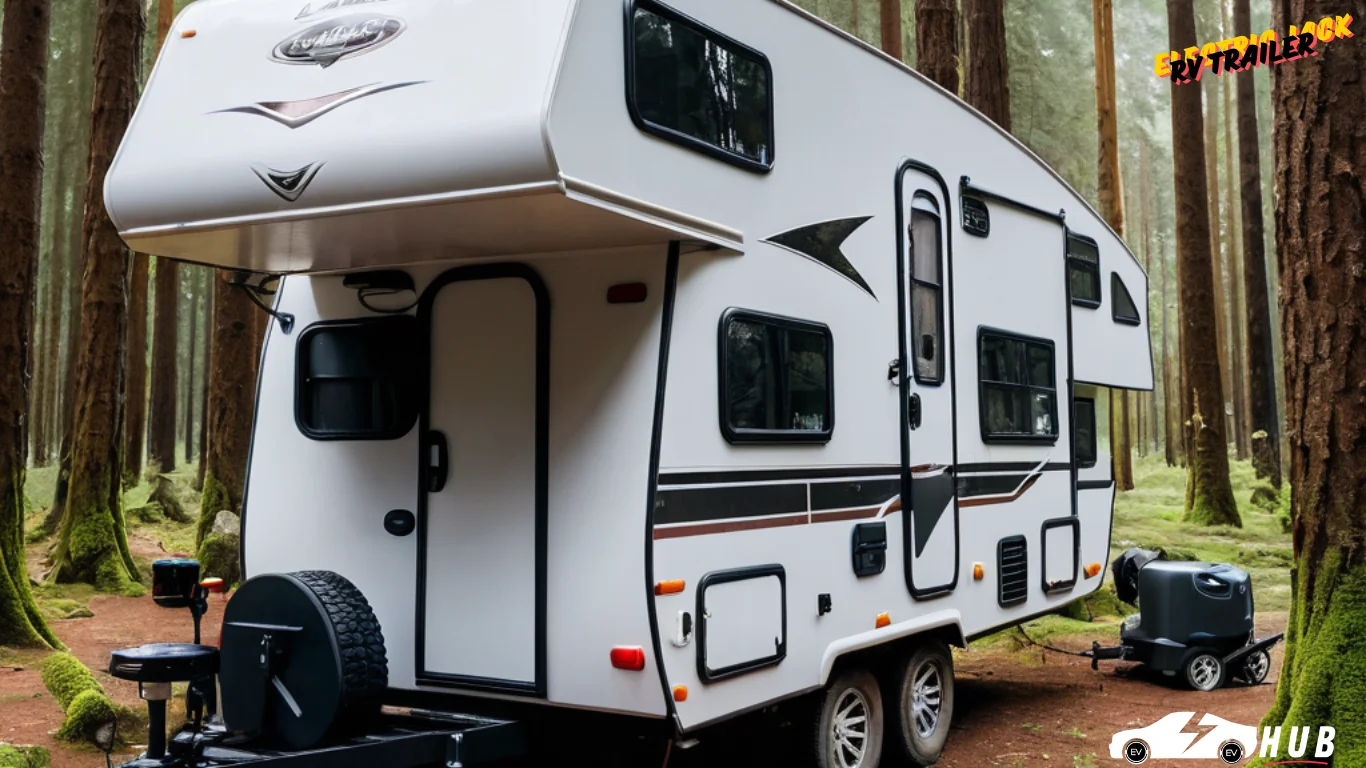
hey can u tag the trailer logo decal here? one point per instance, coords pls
(1218, 739)
(296, 114)
(821, 243)
(289, 185)
(328, 42)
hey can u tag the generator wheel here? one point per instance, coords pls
(1255, 667)
(848, 722)
(925, 701)
(1204, 671)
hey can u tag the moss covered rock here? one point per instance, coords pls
(90, 711)
(1265, 496)
(24, 757)
(66, 678)
(218, 557)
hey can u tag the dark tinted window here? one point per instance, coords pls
(1123, 311)
(1084, 431)
(696, 86)
(776, 379)
(927, 297)
(1083, 270)
(357, 380)
(1019, 399)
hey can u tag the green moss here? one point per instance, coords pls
(219, 557)
(24, 757)
(93, 547)
(215, 499)
(89, 711)
(61, 610)
(67, 678)
(1103, 603)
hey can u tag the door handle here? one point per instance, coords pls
(913, 412)
(438, 461)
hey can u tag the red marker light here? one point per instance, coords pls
(630, 657)
(627, 293)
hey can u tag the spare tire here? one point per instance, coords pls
(327, 667)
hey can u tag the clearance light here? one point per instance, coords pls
(630, 657)
(977, 572)
(883, 619)
(680, 693)
(670, 587)
(187, 34)
(1092, 570)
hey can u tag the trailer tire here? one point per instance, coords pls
(1254, 667)
(365, 663)
(848, 722)
(1204, 671)
(925, 701)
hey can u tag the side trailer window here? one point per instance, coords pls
(1083, 271)
(1018, 391)
(1123, 310)
(776, 383)
(1084, 431)
(694, 86)
(927, 295)
(357, 380)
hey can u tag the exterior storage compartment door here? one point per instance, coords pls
(1061, 555)
(742, 621)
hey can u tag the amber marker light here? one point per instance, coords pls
(883, 619)
(187, 34)
(978, 573)
(1092, 570)
(670, 587)
(680, 693)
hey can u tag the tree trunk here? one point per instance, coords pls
(988, 85)
(1145, 203)
(207, 281)
(855, 27)
(23, 75)
(232, 392)
(135, 419)
(192, 344)
(1209, 496)
(45, 389)
(162, 429)
(1170, 416)
(936, 42)
(1320, 172)
(1261, 362)
(1235, 293)
(93, 546)
(891, 28)
(1217, 247)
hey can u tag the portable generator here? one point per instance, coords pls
(1194, 619)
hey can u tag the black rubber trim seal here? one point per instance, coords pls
(1061, 522)
(652, 483)
(705, 672)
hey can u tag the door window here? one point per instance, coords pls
(927, 294)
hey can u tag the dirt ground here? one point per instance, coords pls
(1028, 708)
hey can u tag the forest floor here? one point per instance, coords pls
(1017, 703)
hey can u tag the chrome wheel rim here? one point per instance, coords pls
(927, 698)
(1205, 672)
(1256, 667)
(849, 729)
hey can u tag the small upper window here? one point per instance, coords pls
(1018, 390)
(776, 380)
(927, 294)
(1083, 271)
(357, 380)
(1123, 310)
(1084, 431)
(697, 87)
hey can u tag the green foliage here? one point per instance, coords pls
(1031, 727)
(62, 609)
(24, 757)
(89, 711)
(66, 678)
(1084, 761)
(1074, 732)
(1103, 603)
(218, 556)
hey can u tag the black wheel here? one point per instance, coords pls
(1204, 671)
(848, 722)
(328, 667)
(925, 701)
(1255, 667)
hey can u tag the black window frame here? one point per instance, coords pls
(1117, 289)
(1077, 421)
(982, 384)
(1084, 265)
(750, 436)
(301, 393)
(678, 137)
(938, 288)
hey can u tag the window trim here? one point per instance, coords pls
(678, 137)
(1095, 438)
(750, 436)
(1089, 267)
(992, 438)
(938, 379)
(300, 360)
(1117, 289)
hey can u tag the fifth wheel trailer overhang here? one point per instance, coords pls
(751, 380)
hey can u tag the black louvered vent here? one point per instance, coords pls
(1012, 562)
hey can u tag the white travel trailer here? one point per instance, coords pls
(671, 358)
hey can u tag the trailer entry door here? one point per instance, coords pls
(481, 592)
(927, 383)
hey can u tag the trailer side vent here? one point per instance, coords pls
(1013, 565)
